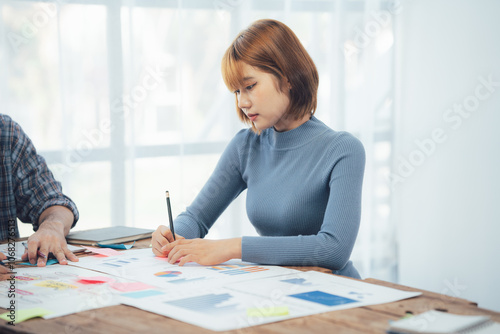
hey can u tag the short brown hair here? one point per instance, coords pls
(272, 47)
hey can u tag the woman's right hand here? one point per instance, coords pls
(161, 237)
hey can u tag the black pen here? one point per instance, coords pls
(170, 220)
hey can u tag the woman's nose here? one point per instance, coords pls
(243, 101)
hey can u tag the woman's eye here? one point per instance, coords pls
(251, 86)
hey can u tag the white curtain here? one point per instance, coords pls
(125, 100)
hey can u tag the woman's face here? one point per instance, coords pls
(262, 101)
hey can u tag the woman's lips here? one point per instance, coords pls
(252, 116)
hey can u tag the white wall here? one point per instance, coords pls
(447, 205)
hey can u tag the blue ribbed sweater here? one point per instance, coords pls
(303, 195)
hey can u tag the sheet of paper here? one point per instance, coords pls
(142, 265)
(323, 291)
(124, 265)
(58, 289)
(254, 302)
(216, 309)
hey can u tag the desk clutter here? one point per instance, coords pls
(108, 235)
(436, 322)
(228, 296)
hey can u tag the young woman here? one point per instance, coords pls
(303, 179)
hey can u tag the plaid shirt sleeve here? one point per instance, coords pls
(35, 188)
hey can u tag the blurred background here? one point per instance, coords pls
(125, 100)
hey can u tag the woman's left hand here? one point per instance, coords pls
(202, 251)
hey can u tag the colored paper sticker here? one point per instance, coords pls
(90, 281)
(103, 251)
(116, 246)
(132, 286)
(48, 263)
(142, 294)
(25, 314)
(56, 285)
(267, 311)
(95, 280)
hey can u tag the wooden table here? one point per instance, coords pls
(368, 319)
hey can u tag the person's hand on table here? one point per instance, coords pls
(49, 238)
(202, 251)
(4, 270)
(162, 237)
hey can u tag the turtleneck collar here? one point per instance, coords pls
(299, 136)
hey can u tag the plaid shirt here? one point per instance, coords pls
(27, 186)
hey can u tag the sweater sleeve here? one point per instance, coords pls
(223, 186)
(331, 247)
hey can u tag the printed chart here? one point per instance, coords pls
(323, 298)
(158, 272)
(318, 290)
(50, 288)
(237, 269)
(219, 309)
(120, 263)
(213, 304)
(168, 274)
(266, 299)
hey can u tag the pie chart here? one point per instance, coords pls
(168, 273)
